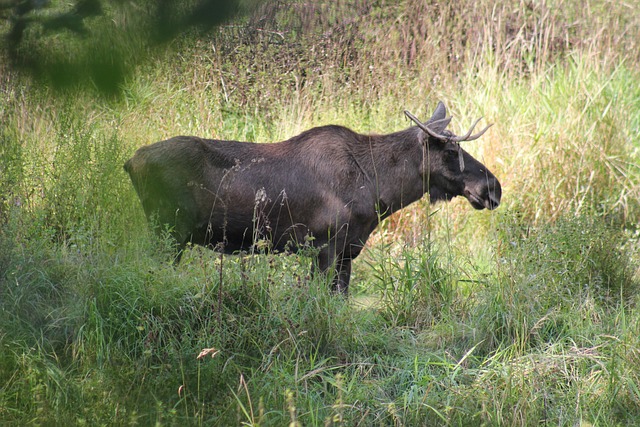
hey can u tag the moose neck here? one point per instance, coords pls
(393, 166)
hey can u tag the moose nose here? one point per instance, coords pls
(494, 194)
(492, 202)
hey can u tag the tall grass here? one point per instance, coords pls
(524, 316)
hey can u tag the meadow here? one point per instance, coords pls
(526, 315)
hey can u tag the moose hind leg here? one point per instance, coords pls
(179, 251)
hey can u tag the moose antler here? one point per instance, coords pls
(466, 137)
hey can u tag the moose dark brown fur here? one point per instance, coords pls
(328, 187)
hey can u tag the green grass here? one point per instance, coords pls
(523, 316)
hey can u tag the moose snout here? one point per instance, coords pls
(493, 201)
(486, 195)
(493, 194)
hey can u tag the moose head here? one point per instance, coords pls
(449, 170)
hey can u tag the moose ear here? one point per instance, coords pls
(439, 121)
(439, 114)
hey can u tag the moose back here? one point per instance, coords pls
(328, 187)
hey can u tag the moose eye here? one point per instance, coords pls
(451, 153)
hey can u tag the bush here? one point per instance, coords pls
(549, 273)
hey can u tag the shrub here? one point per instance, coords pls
(549, 273)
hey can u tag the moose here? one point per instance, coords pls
(328, 187)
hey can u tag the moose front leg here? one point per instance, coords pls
(339, 267)
(342, 276)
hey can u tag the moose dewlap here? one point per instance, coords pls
(329, 183)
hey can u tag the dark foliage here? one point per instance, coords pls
(98, 42)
